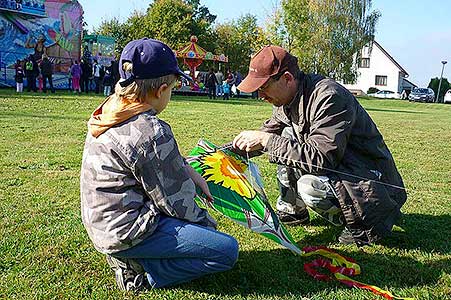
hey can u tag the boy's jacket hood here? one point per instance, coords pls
(112, 112)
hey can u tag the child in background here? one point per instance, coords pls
(19, 79)
(76, 72)
(40, 82)
(226, 90)
(137, 191)
(107, 82)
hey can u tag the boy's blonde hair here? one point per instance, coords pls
(139, 89)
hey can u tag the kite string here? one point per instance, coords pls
(323, 168)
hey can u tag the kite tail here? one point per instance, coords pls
(341, 267)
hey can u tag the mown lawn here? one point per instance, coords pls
(46, 254)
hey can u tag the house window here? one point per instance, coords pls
(364, 63)
(381, 80)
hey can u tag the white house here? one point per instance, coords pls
(380, 70)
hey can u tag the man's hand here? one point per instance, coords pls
(251, 140)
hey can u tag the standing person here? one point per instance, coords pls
(238, 79)
(230, 80)
(210, 83)
(86, 75)
(225, 90)
(69, 76)
(219, 79)
(30, 73)
(137, 191)
(331, 156)
(19, 79)
(96, 75)
(114, 72)
(107, 82)
(76, 75)
(46, 67)
(40, 82)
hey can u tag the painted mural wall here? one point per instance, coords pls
(32, 27)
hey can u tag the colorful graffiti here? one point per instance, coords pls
(53, 27)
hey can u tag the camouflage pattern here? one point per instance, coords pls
(130, 175)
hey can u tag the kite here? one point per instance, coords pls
(237, 190)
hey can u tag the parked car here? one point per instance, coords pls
(422, 95)
(447, 98)
(385, 94)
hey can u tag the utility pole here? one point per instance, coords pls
(440, 82)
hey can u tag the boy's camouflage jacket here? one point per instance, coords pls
(130, 175)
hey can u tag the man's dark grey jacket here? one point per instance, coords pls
(334, 132)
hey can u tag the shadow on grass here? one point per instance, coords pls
(393, 111)
(280, 273)
(424, 232)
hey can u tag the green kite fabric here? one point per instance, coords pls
(238, 192)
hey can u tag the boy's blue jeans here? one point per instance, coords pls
(179, 251)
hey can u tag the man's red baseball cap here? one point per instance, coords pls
(267, 62)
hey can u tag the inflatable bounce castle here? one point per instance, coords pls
(34, 27)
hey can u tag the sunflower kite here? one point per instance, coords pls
(238, 194)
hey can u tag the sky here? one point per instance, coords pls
(416, 33)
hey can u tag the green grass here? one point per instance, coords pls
(46, 254)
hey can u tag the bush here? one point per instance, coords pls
(434, 83)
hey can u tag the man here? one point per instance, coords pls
(96, 73)
(331, 156)
(47, 73)
(219, 79)
(85, 76)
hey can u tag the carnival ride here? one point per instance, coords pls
(194, 55)
(35, 27)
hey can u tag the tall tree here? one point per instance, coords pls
(171, 21)
(435, 82)
(239, 39)
(326, 35)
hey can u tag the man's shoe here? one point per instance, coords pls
(346, 237)
(127, 277)
(294, 219)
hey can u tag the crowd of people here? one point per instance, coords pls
(219, 84)
(83, 76)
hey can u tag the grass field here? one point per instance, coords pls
(46, 254)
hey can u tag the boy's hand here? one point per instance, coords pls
(200, 182)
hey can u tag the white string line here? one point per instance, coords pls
(323, 168)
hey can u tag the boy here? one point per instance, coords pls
(107, 82)
(225, 90)
(137, 190)
(19, 79)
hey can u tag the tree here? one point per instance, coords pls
(239, 39)
(171, 21)
(434, 83)
(165, 20)
(326, 35)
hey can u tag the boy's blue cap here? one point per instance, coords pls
(150, 59)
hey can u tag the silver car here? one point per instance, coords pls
(422, 95)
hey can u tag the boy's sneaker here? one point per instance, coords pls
(129, 275)
(294, 219)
